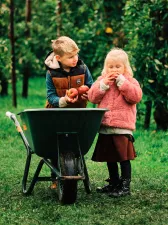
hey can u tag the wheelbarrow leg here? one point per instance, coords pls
(83, 169)
(86, 181)
(28, 190)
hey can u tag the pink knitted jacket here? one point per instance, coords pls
(121, 102)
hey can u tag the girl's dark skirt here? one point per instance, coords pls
(114, 148)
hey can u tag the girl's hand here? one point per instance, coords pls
(111, 77)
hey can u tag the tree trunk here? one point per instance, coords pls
(26, 81)
(4, 86)
(27, 66)
(148, 114)
(58, 18)
(161, 115)
(13, 53)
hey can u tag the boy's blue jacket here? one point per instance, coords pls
(58, 80)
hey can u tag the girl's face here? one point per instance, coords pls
(115, 66)
(68, 60)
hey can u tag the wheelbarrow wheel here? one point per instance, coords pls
(67, 188)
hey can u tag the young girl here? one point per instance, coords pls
(117, 90)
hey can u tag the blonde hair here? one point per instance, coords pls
(119, 54)
(64, 45)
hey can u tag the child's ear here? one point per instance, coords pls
(57, 57)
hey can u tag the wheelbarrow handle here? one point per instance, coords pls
(12, 116)
(9, 114)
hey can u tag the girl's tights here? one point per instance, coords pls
(114, 173)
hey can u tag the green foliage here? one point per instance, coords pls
(5, 57)
(137, 26)
(144, 24)
(91, 24)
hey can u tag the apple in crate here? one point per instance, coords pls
(72, 93)
(83, 89)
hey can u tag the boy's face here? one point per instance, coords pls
(68, 59)
(115, 67)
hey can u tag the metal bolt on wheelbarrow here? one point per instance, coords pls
(62, 134)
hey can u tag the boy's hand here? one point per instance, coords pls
(84, 97)
(70, 100)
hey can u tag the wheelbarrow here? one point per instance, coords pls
(62, 134)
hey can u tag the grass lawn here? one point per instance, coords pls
(148, 204)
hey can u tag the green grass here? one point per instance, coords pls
(148, 203)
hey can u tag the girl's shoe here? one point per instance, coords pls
(121, 191)
(105, 189)
(109, 187)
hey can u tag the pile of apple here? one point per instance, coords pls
(73, 92)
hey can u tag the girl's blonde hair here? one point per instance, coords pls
(119, 54)
(64, 45)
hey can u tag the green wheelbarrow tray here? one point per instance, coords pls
(42, 126)
(62, 134)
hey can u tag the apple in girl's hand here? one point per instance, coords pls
(72, 93)
(83, 89)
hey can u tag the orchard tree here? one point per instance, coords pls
(5, 49)
(13, 52)
(146, 24)
(27, 65)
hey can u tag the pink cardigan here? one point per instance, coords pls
(121, 102)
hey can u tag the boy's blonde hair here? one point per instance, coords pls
(119, 54)
(64, 45)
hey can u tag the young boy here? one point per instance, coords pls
(64, 71)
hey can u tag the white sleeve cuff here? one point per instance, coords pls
(62, 102)
(103, 86)
(120, 80)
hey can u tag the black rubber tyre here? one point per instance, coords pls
(67, 189)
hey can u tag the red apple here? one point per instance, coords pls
(83, 89)
(72, 93)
